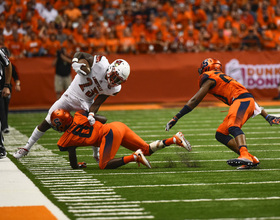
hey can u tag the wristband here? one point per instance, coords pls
(75, 59)
(7, 85)
(266, 117)
(185, 110)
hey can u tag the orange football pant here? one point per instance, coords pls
(239, 112)
(115, 134)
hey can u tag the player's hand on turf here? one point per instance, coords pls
(91, 118)
(82, 165)
(272, 120)
(171, 123)
(77, 67)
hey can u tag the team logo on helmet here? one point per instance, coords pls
(61, 120)
(210, 64)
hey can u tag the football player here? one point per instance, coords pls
(242, 106)
(87, 91)
(79, 131)
(5, 90)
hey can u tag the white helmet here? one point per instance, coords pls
(118, 72)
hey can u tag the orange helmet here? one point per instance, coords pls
(61, 120)
(210, 64)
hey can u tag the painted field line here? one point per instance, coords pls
(180, 172)
(248, 218)
(210, 200)
(103, 206)
(195, 184)
(100, 210)
(119, 218)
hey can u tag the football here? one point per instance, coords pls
(86, 68)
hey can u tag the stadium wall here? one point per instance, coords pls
(155, 78)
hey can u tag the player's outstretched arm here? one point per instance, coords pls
(191, 104)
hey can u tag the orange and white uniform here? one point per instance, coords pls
(108, 137)
(232, 93)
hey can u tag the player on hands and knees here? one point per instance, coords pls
(79, 131)
(242, 106)
(95, 81)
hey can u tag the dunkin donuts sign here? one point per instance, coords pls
(259, 76)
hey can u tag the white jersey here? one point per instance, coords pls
(88, 87)
(81, 93)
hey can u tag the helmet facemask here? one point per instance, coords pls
(117, 72)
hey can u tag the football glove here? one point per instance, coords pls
(77, 67)
(171, 123)
(91, 118)
(272, 120)
(82, 165)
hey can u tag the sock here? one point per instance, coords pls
(36, 135)
(157, 145)
(243, 150)
(130, 158)
(169, 141)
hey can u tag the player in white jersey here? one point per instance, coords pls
(87, 91)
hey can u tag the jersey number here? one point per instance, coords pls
(91, 92)
(82, 131)
(224, 77)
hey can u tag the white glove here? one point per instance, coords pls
(91, 118)
(77, 67)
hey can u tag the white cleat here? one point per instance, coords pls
(141, 158)
(20, 153)
(180, 140)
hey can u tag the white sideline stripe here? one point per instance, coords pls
(19, 190)
(103, 207)
(42, 157)
(180, 172)
(195, 184)
(254, 218)
(110, 214)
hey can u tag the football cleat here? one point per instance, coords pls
(256, 162)
(20, 153)
(241, 160)
(140, 158)
(3, 152)
(180, 140)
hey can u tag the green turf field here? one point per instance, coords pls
(180, 185)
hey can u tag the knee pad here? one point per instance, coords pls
(224, 139)
(235, 131)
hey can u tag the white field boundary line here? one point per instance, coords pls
(59, 168)
(182, 172)
(195, 184)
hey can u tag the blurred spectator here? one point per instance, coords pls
(62, 71)
(204, 39)
(251, 41)
(16, 46)
(98, 43)
(72, 12)
(110, 13)
(143, 46)
(219, 42)
(3, 6)
(268, 40)
(159, 45)
(112, 43)
(34, 47)
(265, 13)
(234, 40)
(49, 13)
(84, 8)
(191, 41)
(52, 45)
(127, 43)
(246, 17)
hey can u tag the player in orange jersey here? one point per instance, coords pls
(87, 129)
(242, 106)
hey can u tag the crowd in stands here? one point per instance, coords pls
(31, 28)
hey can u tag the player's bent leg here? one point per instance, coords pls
(35, 136)
(178, 139)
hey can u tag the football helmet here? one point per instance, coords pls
(210, 64)
(117, 72)
(61, 120)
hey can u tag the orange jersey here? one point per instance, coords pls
(80, 133)
(225, 88)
